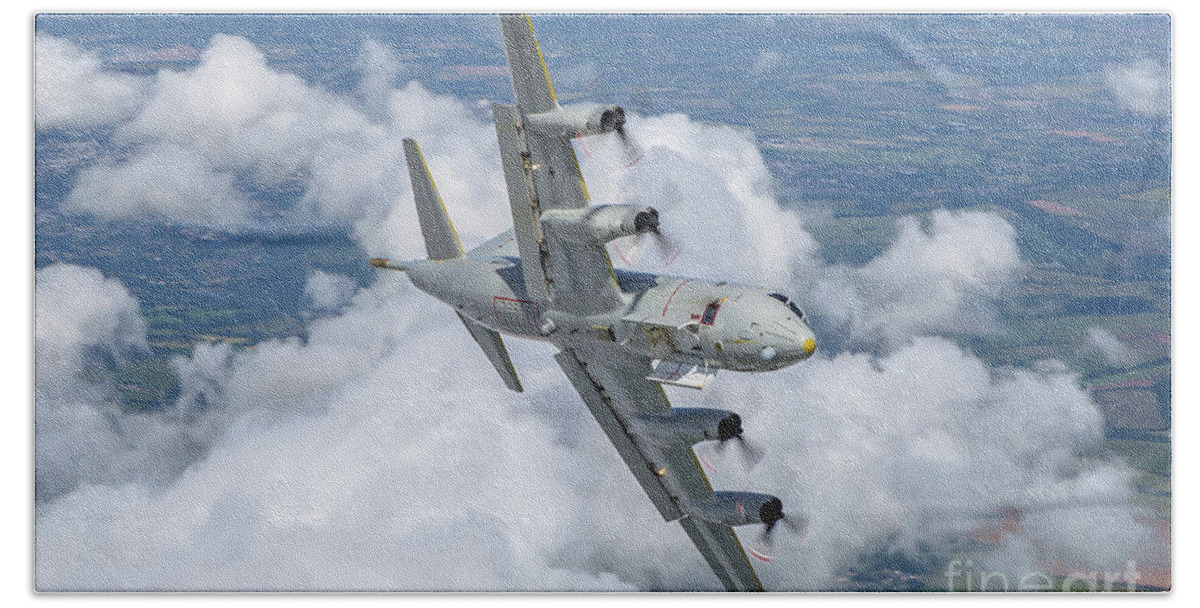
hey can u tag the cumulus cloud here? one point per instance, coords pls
(936, 280)
(360, 460)
(84, 434)
(78, 308)
(381, 452)
(1143, 87)
(72, 90)
(327, 291)
(918, 446)
(714, 193)
(940, 276)
(1114, 351)
(210, 137)
(163, 181)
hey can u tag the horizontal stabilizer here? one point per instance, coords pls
(441, 241)
(684, 371)
(493, 346)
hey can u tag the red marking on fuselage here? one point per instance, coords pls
(495, 312)
(672, 296)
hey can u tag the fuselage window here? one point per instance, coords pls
(710, 313)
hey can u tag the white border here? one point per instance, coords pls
(17, 24)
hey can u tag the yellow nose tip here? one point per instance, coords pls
(810, 346)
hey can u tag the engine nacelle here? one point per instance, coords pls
(739, 508)
(601, 223)
(577, 120)
(687, 426)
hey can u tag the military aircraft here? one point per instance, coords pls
(621, 334)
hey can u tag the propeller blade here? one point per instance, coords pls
(629, 248)
(751, 454)
(797, 526)
(632, 153)
(730, 429)
(668, 250)
(705, 461)
(662, 247)
(764, 547)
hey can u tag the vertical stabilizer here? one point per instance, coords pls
(441, 241)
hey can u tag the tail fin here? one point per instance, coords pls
(441, 241)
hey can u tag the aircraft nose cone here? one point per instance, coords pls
(809, 346)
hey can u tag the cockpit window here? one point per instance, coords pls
(789, 302)
(710, 313)
(796, 309)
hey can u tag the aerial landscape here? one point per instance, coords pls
(974, 212)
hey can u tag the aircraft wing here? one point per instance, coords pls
(615, 389)
(560, 183)
(542, 174)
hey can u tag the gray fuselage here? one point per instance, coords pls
(662, 317)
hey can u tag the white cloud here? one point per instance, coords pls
(1114, 351)
(1143, 87)
(328, 291)
(383, 453)
(361, 460)
(364, 459)
(941, 281)
(78, 308)
(717, 203)
(922, 446)
(163, 181)
(206, 133)
(73, 91)
(85, 323)
(715, 196)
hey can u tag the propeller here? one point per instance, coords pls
(730, 429)
(771, 514)
(649, 228)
